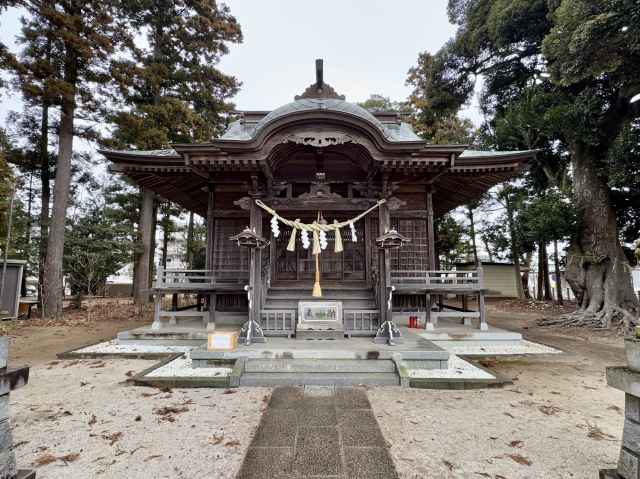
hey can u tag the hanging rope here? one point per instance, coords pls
(318, 230)
(315, 226)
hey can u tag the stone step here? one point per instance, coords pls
(319, 334)
(319, 366)
(319, 379)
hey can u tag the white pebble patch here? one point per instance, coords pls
(458, 369)
(181, 368)
(479, 348)
(112, 347)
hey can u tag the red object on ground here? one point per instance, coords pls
(413, 322)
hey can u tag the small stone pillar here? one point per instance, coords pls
(628, 381)
(10, 379)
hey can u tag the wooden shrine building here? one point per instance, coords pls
(319, 155)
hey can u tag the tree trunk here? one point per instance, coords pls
(53, 287)
(189, 255)
(472, 233)
(515, 248)
(556, 262)
(545, 278)
(540, 287)
(525, 276)
(597, 269)
(45, 195)
(144, 250)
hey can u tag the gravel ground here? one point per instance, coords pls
(80, 419)
(559, 420)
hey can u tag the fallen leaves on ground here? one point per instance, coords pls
(520, 459)
(233, 443)
(166, 413)
(549, 410)
(215, 440)
(112, 438)
(50, 458)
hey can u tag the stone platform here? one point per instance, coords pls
(454, 330)
(414, 347)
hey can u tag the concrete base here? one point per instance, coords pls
(414, 347)
(26, 474)
(609, 474)
(452, 330)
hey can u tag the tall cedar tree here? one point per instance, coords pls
(177, 95)
(584, 56)
(34, 71)
(172, 89)
(83, 35)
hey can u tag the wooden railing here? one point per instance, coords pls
(438, 279)
(190, 278)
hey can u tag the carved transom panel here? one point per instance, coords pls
(319, 139)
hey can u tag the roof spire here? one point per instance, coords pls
(319, 74)
(320, 89)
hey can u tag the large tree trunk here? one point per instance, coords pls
(545, 275)
(515, 248)
(53, 287)
(143, 260)
(556, 262)
(45, 195)
(597, 269)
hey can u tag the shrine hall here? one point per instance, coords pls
(319, 223)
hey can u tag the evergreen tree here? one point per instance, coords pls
(580, 61)
(76, 39)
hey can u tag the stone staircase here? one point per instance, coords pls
(279, 311)
(319, 372)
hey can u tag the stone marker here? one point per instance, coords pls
(9, 379)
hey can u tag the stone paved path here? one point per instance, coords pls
(318, 432)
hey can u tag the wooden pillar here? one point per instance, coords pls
(384, 222)
(210, 227)
(430, 231)
(255, 264)
(145, 257)
(211, 299)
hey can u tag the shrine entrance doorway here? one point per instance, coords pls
(349, 265)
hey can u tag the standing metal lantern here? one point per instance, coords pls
(388, 332)
(251, 330)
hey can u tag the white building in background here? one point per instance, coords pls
(635, 274)
(176, 252)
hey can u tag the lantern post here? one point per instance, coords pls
(388, 332)
(251, 330)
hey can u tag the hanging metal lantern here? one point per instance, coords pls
(391, 240)
(248, 238)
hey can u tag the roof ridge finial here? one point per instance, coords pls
(319, 73)
(320, 89)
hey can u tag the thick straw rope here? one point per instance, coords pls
(315, 226)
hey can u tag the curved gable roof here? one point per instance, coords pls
(242, 130)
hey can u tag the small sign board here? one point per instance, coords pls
(222, 341)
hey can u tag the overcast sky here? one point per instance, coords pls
(367, 47)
